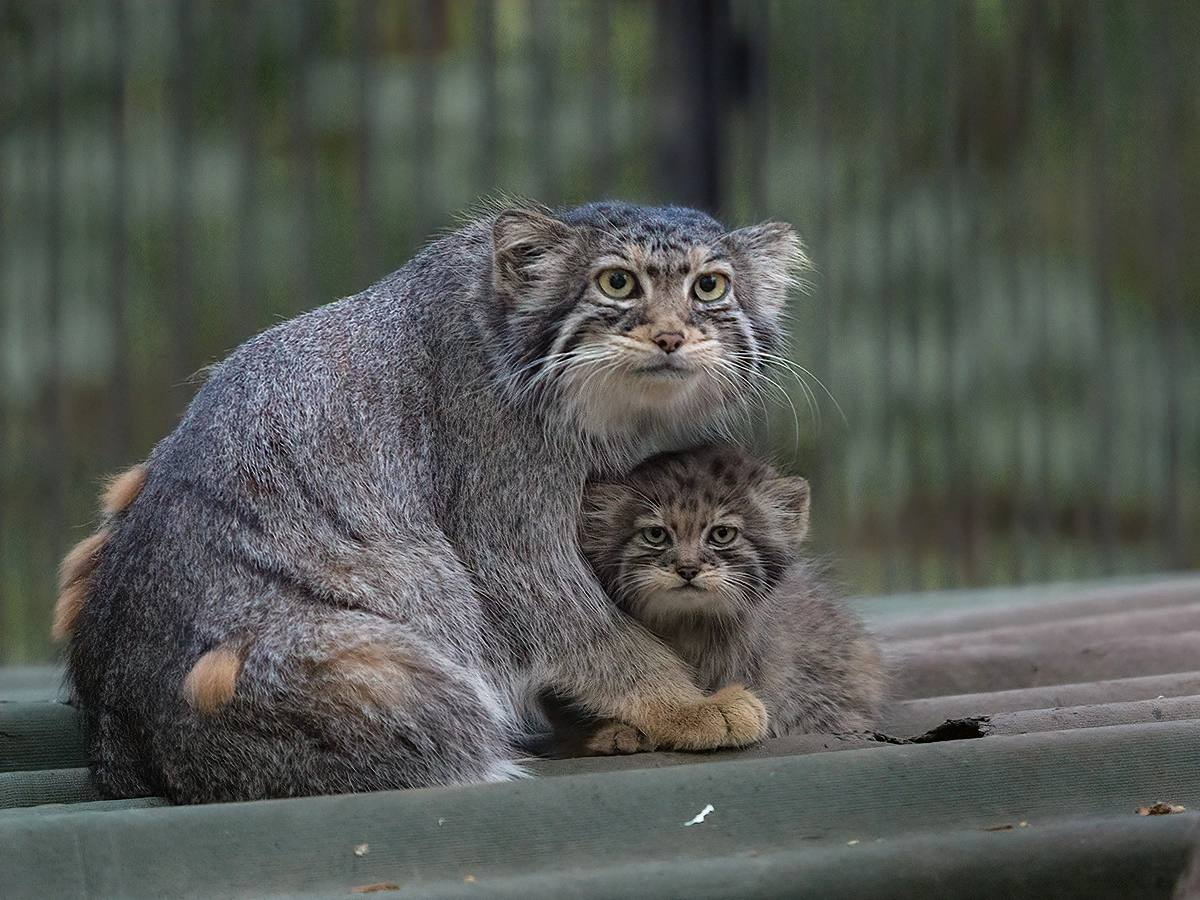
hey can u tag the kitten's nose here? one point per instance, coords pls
(687, 573)
(669, 341)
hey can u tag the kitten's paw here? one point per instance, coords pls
(732, 717)
(613, 738)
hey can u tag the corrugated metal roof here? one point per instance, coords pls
(1025, 730)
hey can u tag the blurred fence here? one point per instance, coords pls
(1000, 197)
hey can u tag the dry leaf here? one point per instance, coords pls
(1160, 809)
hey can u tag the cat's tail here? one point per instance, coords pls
(75, 571)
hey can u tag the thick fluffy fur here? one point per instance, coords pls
(746, 609)
(75, 571)
(347, 568)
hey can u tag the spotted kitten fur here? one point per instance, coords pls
(703, 547)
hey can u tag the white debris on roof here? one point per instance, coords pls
(700, 816)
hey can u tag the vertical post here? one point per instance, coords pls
(249, 254)
(366, 255)
(1044, 387)
(695, 39)
(56, 462)
(954, 472)
(887, 90)
(541, 32)
(977, 341)
(1099, 212)
(8, 77)
(757, 74)
(1018, 68)
(120, 437)
(602, 162)
(917, 427)
(1169, 265)
(489, 94)
(424, 105)
(183, 298)
(819, 64)
(304, 155)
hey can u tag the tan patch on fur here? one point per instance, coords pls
(613, 738)
(211, 682)
(74, 582)
(122, 490)
(67, 609)
(369, 674)
(732, 717)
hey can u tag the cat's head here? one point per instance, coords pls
(706, 532)
(637, 318)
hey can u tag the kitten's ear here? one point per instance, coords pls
(602, 504)
(775, 258)
(526, 244)
(790, 496)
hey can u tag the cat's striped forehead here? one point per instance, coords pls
(660, 265)
(699, 479)
(659, 229)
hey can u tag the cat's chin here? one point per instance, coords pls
(667, 604)
(644, 402)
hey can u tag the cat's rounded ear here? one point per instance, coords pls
(773, 257)
(525, 244)
(790, 496)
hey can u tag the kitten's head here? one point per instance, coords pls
(636, 318)
(687, 535)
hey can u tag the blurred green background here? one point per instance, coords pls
(1000, 197)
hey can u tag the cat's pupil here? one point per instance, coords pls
(708, 283)
(617, 280)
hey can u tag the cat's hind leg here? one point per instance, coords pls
(330, 701)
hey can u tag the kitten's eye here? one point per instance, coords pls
(616, 283)
(656, 536)
(710, 287)
(722, 535)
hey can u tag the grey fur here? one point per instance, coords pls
(366, 506)
(761, 616)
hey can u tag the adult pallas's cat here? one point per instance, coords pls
(346, 569)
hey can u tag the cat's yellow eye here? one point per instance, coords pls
(722, 535)
(656, 536)
(617, 283)
(710, 287)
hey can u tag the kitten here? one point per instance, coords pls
(703, 549)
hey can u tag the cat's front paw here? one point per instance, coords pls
(732, 717)
(615, 738)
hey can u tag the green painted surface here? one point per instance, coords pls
(1048, 811)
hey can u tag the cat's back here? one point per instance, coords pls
(298, 440)
(811, 629)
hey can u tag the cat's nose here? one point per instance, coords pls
(669, 341)
(687, 573)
